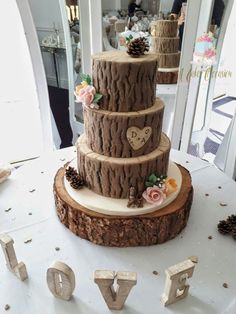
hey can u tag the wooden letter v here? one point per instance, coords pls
(115, 299)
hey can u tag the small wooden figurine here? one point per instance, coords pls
(134, 201)
(175, 286)
(19, 269)
(115, 300)
(61, 280)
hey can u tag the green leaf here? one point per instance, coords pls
(97, 97)
(148, 184)
(86, 78)
(152, 178)
(128, 39)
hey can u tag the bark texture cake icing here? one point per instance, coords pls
(126, 84)
(165, 44)
(123, 142)
(113, 177)
(109, 133)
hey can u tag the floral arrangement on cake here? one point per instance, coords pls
(158, 188)
(205, 51)
(86, 93)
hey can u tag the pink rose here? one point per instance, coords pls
(82, 91)
(90, 89)
(154, 195)
(87, 99)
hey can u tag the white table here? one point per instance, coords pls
(216, 264)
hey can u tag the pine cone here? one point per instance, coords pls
(234, 232)
(76, 183)
(137, 47)
(232, 220)
(71, 173)
(224, 227)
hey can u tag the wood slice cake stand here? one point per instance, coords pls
(123, 231)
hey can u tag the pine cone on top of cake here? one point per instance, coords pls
(137, 47)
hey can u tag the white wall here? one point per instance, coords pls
(47, 17)
(46, 13)
(166, 5)
(21, 134)
(111, 4)
(228, 60)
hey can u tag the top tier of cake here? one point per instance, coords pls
(127, 84)
(164, 28)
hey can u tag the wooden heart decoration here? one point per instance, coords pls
(138, 138)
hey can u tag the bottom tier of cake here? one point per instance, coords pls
(113, 177)
(123, 231)
(113, 206)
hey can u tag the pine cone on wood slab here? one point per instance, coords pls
(70, 173)
(73, 177)
(76, 183)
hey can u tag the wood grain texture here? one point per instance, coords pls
(19, 269)
(168, 60)
(164, 44)
(126, 83)
(167, 77)
(61, 280)
(176, 281)
(113, 177)
(153, 228)
(106, 131)
(115, 297)
(164, 28)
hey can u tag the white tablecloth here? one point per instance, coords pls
(217, 257)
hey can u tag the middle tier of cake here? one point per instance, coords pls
(124, 134)
(113, 177)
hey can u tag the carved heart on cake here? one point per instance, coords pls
(138, 137)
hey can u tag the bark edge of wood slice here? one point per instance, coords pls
(144, 230)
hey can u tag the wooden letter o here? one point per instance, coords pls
(61, 280)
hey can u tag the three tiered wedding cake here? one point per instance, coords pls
(132, 194)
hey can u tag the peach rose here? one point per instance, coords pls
(79, 87)
(171, 186)
(154, 195)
